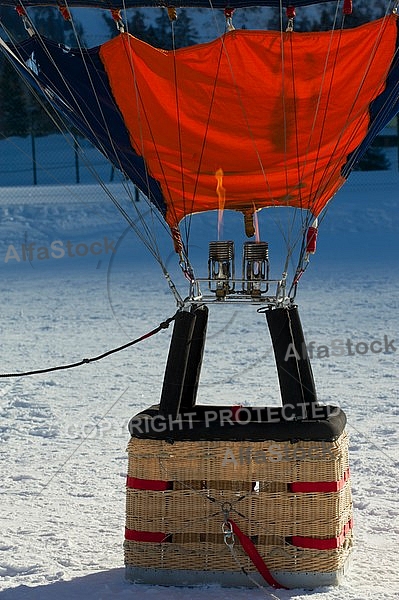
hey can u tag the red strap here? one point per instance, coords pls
(254, 555)
(322, 544)
(156, 537)
(311, 240)
(348, 8)
(320, 486)
(176, 238)
(65, 13)
(290, 11)
(148, 484)
(20, 10)
(116, 14)
(234, 412)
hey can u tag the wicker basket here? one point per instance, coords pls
(292, 498)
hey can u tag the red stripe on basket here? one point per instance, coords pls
(148, 484)
(146, 536)
(320, 486)
(322, 544)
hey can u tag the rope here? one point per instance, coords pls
(163, 325)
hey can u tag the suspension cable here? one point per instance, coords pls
(144, 234)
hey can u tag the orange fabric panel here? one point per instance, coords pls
(277, 112)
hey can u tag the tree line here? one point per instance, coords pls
(21, 113)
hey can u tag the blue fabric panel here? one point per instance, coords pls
(382, 110)
(75, 83)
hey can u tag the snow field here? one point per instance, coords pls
(63, 434)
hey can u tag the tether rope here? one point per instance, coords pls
(163, 325)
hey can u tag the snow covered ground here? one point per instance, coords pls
(63, 434)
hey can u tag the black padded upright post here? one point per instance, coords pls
(176, 365)
(293, 365)
(194, 363)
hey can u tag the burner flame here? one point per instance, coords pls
(221, 192)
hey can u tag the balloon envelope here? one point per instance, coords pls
(269, 118)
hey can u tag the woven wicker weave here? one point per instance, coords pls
(252, 479)
(241, 461)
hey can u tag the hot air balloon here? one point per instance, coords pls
(250, 120)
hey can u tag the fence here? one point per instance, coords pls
(51, 160)
(57, 160)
